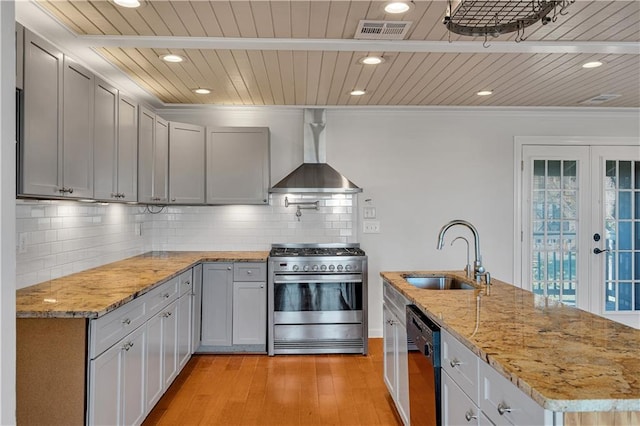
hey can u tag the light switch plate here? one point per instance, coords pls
(369, 212)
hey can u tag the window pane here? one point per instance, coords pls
(610, 237)
(553, 204)
(636, 274)
(637, 174)
(553, 291)
(553, 266)
(610, 175)
(637, 207)
(538, 266)
(637, 296)
(539, 174)
(538, 288)
(624, 266)
(624, 235)
(624, 174)
(624, 296)
(569, 267)
(624, 210)
(553, 177)
(569, 181)
(610, 204)
(537, 204)
(569, 204)
(610, 266)
(569, 293)
(610, 297)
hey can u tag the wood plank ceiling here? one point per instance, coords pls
(309, 75)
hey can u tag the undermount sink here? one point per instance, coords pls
(438, 283)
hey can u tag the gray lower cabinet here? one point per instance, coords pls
(234, 307)
(186, 163)
(117, 393)
(237, 165)
(217, 299)
(153, 158)
(196, 295)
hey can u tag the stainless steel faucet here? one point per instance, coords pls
(478, 269)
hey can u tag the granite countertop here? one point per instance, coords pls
(564, 358)
(94, 292)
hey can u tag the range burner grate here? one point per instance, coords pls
(315, 251)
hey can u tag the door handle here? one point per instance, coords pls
(598, 251)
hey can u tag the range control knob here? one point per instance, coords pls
(315, 267)
(306, 268)
(339, 267)
(296, 267)
(323, 267)
(331, 267)
(347, 268)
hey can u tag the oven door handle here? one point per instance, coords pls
(321, 279)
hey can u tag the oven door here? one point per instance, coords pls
(317, 299)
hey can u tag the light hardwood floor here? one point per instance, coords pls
(280, 390)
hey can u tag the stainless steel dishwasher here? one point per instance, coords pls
(423, 354)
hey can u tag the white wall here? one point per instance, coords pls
(7, 216)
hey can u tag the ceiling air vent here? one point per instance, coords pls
(600, 99)
(382, 30)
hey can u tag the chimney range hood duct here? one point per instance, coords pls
(315, 175)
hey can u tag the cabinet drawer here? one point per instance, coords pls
(108, 329)
(395, 301)
(461, 364)
(185, 280)
(249, 272)
(457, 407)
(160, 296)
(499, 395)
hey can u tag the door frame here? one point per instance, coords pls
(519, 142)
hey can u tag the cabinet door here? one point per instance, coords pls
(127, 170)
(402, 371)
(154, 368)
(389, 342)
(457, 407)
(19, 56)
(249, 313)
(170, 343)
(161, 161)
(197, 308)
(184, 329)
(186, 163)
(41, 149)
(105, 393)
(146, 132)
(237, 165)
(77, 158)
(133, 377)
(217, 296)
(105, 141)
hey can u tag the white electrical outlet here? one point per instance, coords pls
(22, 243)
(371, 227)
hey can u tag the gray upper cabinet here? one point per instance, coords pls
(41, 148)
(127, 174)
(116, 145)
(153, 157)
(186, 163)
(105, 140)
(77, 155)
(237, 165)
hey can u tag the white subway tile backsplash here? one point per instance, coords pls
(67, 237)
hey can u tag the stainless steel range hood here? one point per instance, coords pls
(315, 175)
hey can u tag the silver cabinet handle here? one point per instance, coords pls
(454, 363)
(228, 268)
(469, 415)
(503, 408)
(126, 321)
(187, 283)
(166, 295)
(173, 200)
(166, 315)
(261, 285)
(249, 272)
(127, 346)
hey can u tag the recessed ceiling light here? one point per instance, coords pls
(484, 93)
(592, 64)
(357, 92)
(202, 91)
(169, 57)
(128, 3)
(397, 7)
(371, 60)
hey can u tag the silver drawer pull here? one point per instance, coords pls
(166, 314)
(126, 321)
(503, 408)
(249, 272)
(166, 295)
(127, 346)
(454, 363)
(469, 415)
(187, 283)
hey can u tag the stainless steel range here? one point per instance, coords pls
(317, 295)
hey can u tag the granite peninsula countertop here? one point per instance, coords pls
(564, 358)
(94, 292)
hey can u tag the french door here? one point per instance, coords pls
(580, 227)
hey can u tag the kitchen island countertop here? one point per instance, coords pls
(564, 358)
(94, 292)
